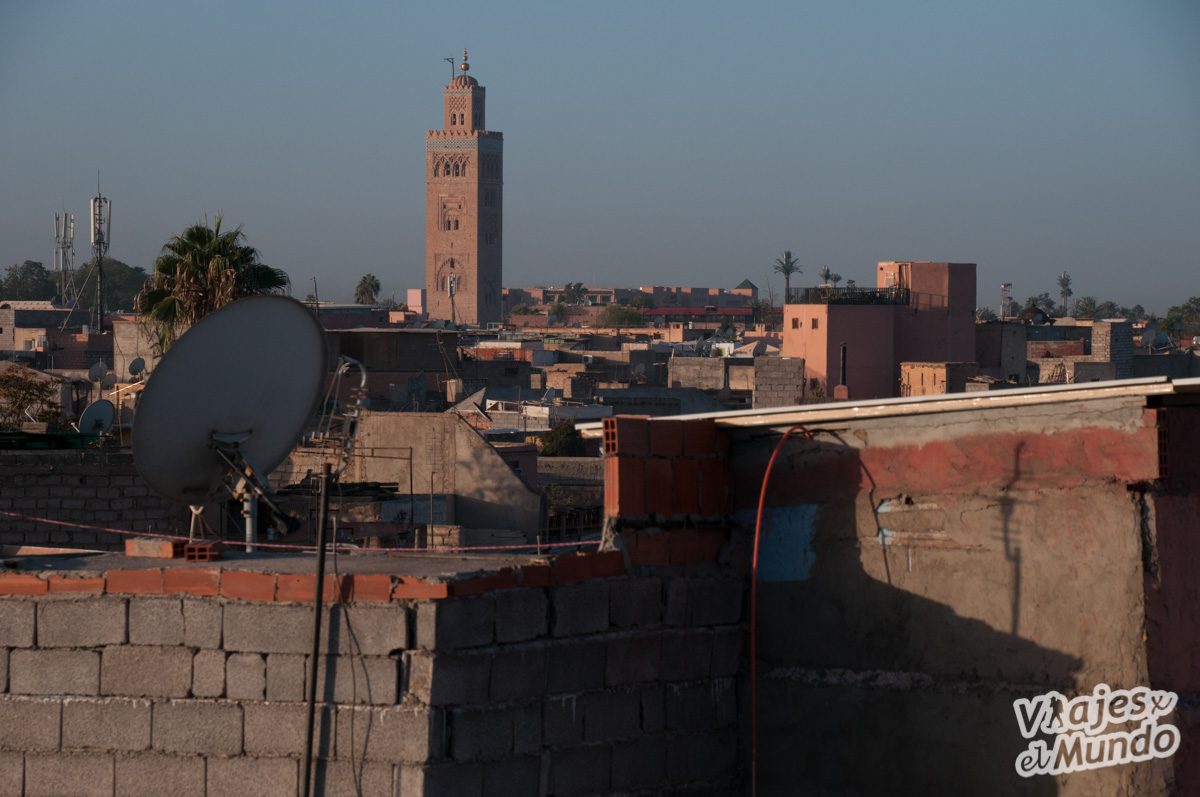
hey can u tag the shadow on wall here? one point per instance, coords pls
(865, 688)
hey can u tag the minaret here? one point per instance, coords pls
(464, 165)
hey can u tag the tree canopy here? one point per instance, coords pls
(617, 315)
(787, 266)
(200, 270)
(367, 290)
(25, 396)
(28, 281)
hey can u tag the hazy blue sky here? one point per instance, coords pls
(667, 143)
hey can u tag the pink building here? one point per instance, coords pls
(918, 312)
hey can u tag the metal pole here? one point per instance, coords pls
(322, 512)
(842, 367)
(250, 511)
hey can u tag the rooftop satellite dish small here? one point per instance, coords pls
(97, 417)
(96, 371)
(136, 366)
(205, 417)
(108, 381)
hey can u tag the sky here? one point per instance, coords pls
(684, 143)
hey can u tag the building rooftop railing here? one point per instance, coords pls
(831, 294)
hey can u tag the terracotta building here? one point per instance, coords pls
(463, 205)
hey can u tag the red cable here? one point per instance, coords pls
(762, 500)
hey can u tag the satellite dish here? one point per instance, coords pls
(96, 371)
(136, 366)
(241, 384)
(97, 417)
(108, 381)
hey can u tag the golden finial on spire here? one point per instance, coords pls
(464, 66)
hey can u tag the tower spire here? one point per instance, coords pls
(464, 66)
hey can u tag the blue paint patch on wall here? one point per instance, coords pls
(785, 552)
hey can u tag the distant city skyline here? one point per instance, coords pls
(673, 144)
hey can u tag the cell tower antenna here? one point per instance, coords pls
(101, 228)
(64, 255)
(1005, 287)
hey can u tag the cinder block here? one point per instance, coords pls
(365, 630)
(353, 679)
(513, 777)
(403, 733)
(112, 724)
(262, 777)
(285, 676)
(639, 764)
(448, 678)
(267, 628)
(701, 705)
(449, 625)
(54, 672)
(727, 651)
(437, 780)
(520, 614)
(581, 770)
(208, 673)
(154, 775)
(3, 670)
(611, 715)
(12, 774)
(76, 774)
(654, 709)
(519, 672)
(575, 665)
(155, 621)
(715, 601)
(245, 676)
(16, 623)
(277, 729)
(580, 608)
(635, 602)
(145, 671)
(81, 624)
(562, 721)
(678, 612)
(709, 756)
(29, 723)
(480, 734)
(351, 778)
(197, 727)
(634, 659)
(201, 624)
(686, 655)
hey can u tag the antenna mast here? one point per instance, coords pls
(64, 255)
(450, 60)
(101, 227)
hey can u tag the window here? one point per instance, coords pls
(456, 170)
(464, 170)
(446, 170)
(795, 323)
(814, 323)
(456, 224)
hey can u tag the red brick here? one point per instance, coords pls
(628, 487)
(632, 434)
(709, 543)
(535, 576)
(410, 588)
(247, 586)
(666, 438)
(303, 588)
(686, 482)
(151, 548)
(570, 568)
(684, 547)
(191, 581)
(94, 586)
(22, 585)
(505, 579)
(366, 587)
(606, 564)
(660, 481)
(699, 437)
(135, 582)
(612, 475)
(653, 549)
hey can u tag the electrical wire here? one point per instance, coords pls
(762, 500)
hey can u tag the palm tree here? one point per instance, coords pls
(787, 266)
(1085, 307)
(1064, 290)
(198, 271)
(367, 290)
(825, 275)
(573, 293)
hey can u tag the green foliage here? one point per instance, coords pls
(28, 281)
(1041, 302)
(563, 440)
(367, 290)
(642, 301)
(556, 312)
(122, 284)
(1184, 319)
(618, 315)
(1064, 290)
(787, 266)
(521, 309)
(200, 270)
(24, 394)
(573, 293)
(984, 314)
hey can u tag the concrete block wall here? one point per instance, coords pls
(1113, 341)
(93, 488)
(568, 677)
(778, 381)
